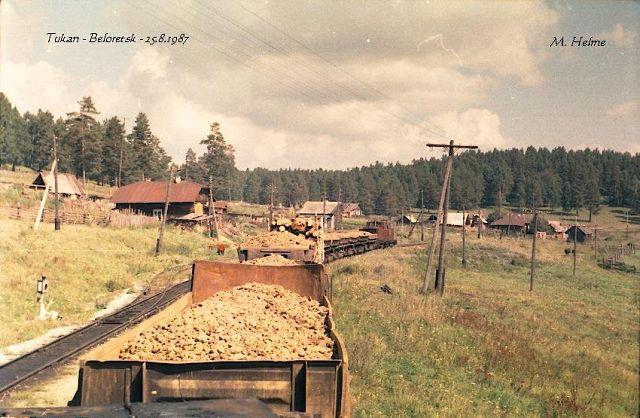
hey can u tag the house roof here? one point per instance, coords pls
(348, 207)
(156, 191)
(587, 230)
(455, 218)
(315, 208)
(67, 183)
(514, 219)
(557, 226)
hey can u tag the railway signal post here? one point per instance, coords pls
(443, 211)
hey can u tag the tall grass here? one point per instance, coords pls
(490, 347)
(86, 267)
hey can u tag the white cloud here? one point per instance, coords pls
(475, 126)
(631, 108)
(622, 39)
(35, 86)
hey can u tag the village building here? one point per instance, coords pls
(68, 185)
(148, 197)
(332, 210)
(584, 233)
(515, 223)
(407, 219)
(350, 210)
(559, 230)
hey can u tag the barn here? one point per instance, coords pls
(68, 184)
(333, 212)
(148, 197)
(584, 233)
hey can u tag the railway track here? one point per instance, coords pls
(26, 366)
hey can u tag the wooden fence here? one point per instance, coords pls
(621, 251)
(75, 216)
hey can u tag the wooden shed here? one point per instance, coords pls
(68, 184)
(584, 233)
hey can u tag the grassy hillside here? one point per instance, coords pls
(490, 347)
(86, 267)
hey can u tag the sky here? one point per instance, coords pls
(338, 84)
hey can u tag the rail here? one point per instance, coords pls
(24, 367)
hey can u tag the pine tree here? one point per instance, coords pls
(218, 161)
(85, 138)
(112, 148)
(190, 168)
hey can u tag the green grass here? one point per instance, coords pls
(86, 267)
(490, 347)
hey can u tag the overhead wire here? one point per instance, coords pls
(326, 95)
(291, 87)
(327, 61)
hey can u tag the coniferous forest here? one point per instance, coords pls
(99, 148)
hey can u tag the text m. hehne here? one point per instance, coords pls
(578, 41)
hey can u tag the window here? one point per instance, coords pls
(157, 213)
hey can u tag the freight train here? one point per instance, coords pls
(288, 388)
(337, 244)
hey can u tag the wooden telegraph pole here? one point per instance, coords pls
(270, 207)
(533, 249)
(213, 226)
(443, 211)
(164, 214)
(421, 213)
(56, 220)
(464, 239)
(575, 243)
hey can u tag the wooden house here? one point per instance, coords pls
(350, 210)
(333, 212)
(148, 197)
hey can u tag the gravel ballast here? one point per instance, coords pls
(249, 322)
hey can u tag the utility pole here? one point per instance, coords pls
(443, 210)
(421, 212)
(271, 207)
(213, 226)
(575, 242)
(56, 220)
(164, 215)
(119, 179)
(533, 249)
(324, 209)
(595, 243)
(627, 231)
(464, 239)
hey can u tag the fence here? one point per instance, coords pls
(81, 217)
(621, 251)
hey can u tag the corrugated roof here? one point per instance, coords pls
(156, 191)
(514, 219)
(315, 208)
(67, 183)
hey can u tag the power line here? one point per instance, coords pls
(239, 61)
(309, 49)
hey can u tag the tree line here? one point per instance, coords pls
(524, 178)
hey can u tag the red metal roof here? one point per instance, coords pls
(156, 191)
